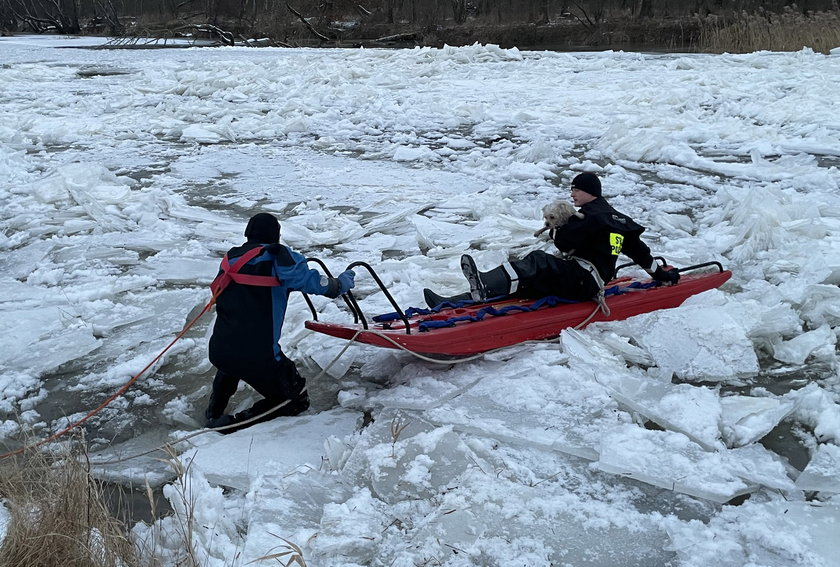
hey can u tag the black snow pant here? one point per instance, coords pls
(541, 274)
(277, 384)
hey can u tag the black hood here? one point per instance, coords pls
(263, 228)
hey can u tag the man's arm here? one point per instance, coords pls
(639, 252)
(292, 269)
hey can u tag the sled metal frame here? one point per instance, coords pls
(662, 261)
(350, 299)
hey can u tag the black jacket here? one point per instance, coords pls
(601, 235)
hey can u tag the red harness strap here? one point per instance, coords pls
(231, 273)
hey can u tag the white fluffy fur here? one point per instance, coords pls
(557, 214)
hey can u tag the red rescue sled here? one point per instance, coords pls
(465, 335)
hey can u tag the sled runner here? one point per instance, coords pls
(469, 327)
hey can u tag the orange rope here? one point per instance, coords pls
(119, 392)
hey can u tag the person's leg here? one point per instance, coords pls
(500, 281)
(541, 274)
(433, 300)
(536, 275)
(283, 386)
(224, 387)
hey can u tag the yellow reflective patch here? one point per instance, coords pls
(616, 242)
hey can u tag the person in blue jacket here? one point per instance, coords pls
(245, 344)
(589, 246)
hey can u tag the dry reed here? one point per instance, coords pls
(786, 31)
(58, 515)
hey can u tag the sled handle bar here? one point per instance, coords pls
(664, 262)
(357, 311)
(329, 275)
(703, 265)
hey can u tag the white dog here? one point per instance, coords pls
(557, 214)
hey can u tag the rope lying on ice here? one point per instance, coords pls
(119, 392)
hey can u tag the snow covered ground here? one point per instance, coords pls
(127, 174)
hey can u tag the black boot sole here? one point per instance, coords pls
(477, 289)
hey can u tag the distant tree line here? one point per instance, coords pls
(329, 19)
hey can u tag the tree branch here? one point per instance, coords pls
(315, 32)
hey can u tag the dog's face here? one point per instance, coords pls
(558, 213)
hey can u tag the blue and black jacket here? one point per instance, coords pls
(249, 318)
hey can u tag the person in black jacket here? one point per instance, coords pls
(250, 308)
(589, 249)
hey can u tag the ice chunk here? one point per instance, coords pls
(433, 233)
(335, 359)
(533, 530)
(778, 532)
(798, 349)
(671, 460)
(823, 471)
(691, 410)
(49, 332)
(135, 462)
(696, 342)
(406, 153)
(404, 458)
(822, 305)
(756, 464)
(558, 408)
(284, 444)
(745, 419)
(817, 408)
(201, 133)
(583, 349)
(622, 346)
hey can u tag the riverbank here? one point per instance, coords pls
(735, 33)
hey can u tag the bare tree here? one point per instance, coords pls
(61, 16)
(107, 12)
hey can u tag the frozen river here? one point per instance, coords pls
(674, 438)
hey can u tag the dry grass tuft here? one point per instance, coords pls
(58, 515)
(786, 31)
(291, 553)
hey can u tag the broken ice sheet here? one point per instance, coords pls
(56, 337)
(417, 386)
(697, 342)
(692, 410)
(583, 349)
(334, 358)
(798, 349)
(285, 443)
(778, 532)
(746, 419)
(823, 471)
(555, 408)
(401, 457)
(672, 461)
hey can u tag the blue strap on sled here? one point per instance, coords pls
(549, 301)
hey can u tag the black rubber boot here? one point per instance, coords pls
(294, 407)
(215, 409)
(484, 285)
(221, 421)
(433, 300)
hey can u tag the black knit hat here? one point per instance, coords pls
(588, 183)
(263, 228)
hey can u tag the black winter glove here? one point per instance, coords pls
(666, 276)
